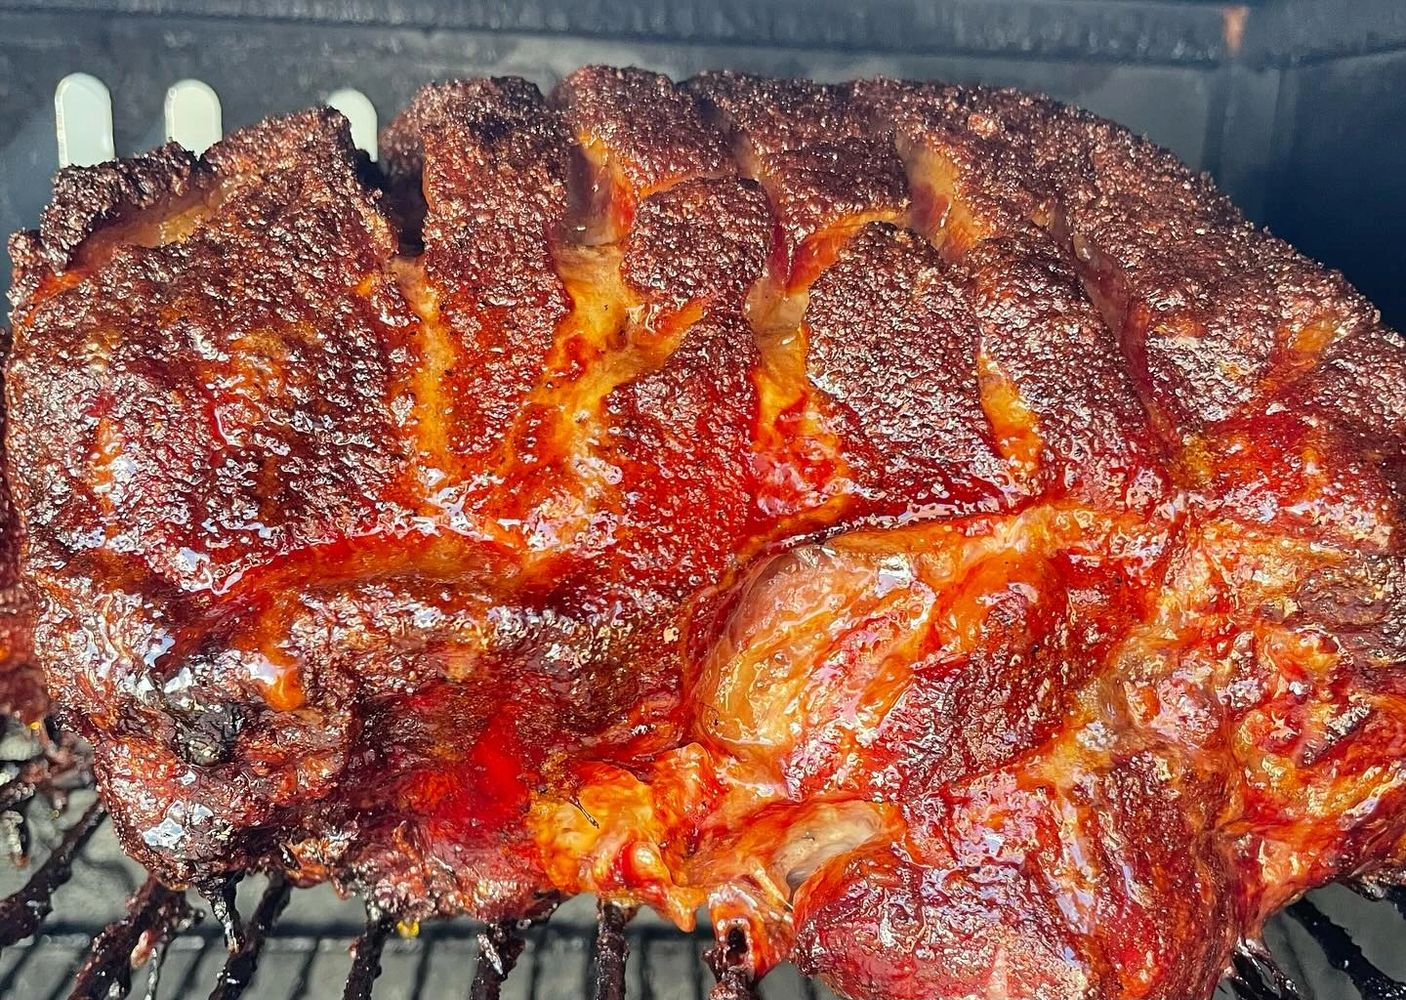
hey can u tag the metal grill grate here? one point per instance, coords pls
(60, 937)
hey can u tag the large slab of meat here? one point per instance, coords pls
(926, 527)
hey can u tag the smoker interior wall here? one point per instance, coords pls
(1342, 196)
(1295, 105)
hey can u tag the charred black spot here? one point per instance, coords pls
(206, 732)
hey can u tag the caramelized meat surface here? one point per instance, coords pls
(926, 527)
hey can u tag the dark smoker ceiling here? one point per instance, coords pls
(1295, 105)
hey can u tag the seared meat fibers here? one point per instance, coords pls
(926, 526)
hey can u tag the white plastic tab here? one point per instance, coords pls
(361, 113)
(83, 121)
(193, 115)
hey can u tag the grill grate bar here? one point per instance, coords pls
(732, 969)
(23, 912)
(219, 896)
(155, 914)
(243, 961)
(158, 962)
(7, 983)
(304, 978)
(1257, 976)
(499, 946)
(52, 770)
(366, 956)
(612, 949)
(1343, 953)
(1246, 990)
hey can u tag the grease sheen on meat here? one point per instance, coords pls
(927, 527)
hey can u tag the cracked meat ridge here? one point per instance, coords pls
(927, 527)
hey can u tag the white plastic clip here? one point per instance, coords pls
(193, 116)
(361, 113)
(83, 121)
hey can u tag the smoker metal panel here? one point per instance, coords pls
(300, 64)
(1111, 30)
(1252, 113)
(1345, 153)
